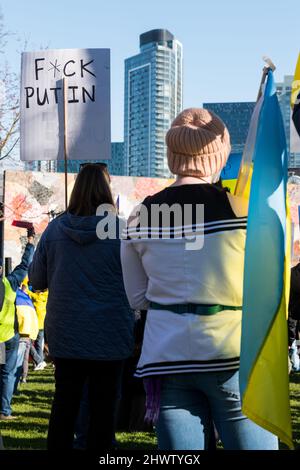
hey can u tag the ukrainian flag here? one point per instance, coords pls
(246, 168)
(264, 378)
(27, 317)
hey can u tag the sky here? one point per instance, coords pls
(223, 40)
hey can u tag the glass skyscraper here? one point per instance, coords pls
(116, 163)
(284, 90)
(46, 166)
(236, 117)
(153, 97)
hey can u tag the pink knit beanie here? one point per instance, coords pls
(198, 143)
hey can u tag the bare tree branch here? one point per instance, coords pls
(10, 150)
(9, 98)
(9, 132)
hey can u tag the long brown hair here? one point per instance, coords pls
(91, 189)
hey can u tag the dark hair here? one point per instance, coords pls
(91, 189)
(102, 165)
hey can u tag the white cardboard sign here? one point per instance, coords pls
(87, 103)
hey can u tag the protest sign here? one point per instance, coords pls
(81, 115)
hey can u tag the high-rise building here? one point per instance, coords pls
(115, 165)
(47, 166)
(153, 97)
(236, 117)
(284, 90)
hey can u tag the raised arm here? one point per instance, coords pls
(20, 272)
(38, 268)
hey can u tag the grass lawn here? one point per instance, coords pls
(33, 403)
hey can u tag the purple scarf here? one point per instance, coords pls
(152, 388)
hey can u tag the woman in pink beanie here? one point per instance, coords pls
(185, 266)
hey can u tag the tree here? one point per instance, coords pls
(9, 99)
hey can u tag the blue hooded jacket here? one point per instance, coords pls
(88, 315)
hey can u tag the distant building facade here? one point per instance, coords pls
(44, 166)
(236, 116)
(284, 90)
(153, 97)
(115, 164)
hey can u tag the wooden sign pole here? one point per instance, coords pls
(65, 141)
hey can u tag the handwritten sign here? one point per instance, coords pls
(87, 104)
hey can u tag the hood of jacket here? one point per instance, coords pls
(81, 229)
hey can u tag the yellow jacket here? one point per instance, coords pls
(39, 300)
(27, 318)
(7, 313)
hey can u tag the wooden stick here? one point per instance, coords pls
(65, 141)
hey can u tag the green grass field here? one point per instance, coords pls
(33, 403)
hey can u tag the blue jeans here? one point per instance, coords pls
(7, 375)
(37, 348)
(23, 344)
(39, 344)
(189, 401)
(294, 356)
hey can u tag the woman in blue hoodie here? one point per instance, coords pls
(89, 324)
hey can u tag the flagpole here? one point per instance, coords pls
(244, 170)
(263, 79)
(269, 66)
(65, 140)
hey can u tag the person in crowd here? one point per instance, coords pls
(39, 299)
(2, 362)
(294, 318)
(186, 269)
(89, 323)
(28, 329)
(9, 328)
(25, 365)
(296, 114)
(132, 406)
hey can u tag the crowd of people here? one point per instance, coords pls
(21, 330)
(89, 288)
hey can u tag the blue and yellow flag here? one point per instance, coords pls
(264, 379)
(27, 317)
